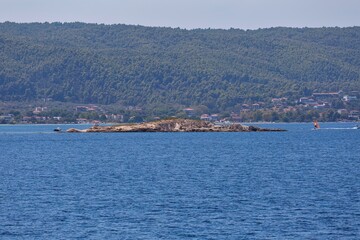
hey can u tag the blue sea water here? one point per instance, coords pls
(299, 184)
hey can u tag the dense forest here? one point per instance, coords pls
(156, 67)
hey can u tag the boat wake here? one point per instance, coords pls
(11, 133)
(353, 128)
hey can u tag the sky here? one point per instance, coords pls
(189, 14)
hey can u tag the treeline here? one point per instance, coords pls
(159, 68)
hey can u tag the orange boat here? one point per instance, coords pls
(316, 124)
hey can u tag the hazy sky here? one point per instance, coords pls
(245, 14)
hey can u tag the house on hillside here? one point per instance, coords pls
(39, 110)
(307, 101)
(279, 101)
(235, 117)
(205, 117)
(327, 95)
(343, 112)
(80, 108)
(189, 112)
(348, 98)
(354, 114)
(82, 121)
(355, 93)
(115, 117)
(255, 106)
(322, 105)
(6, 118)
(245, 106)
(27, 119)
(215, 117)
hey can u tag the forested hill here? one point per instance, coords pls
(149, 66)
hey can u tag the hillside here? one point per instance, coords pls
(151, 67)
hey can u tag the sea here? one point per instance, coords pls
(298, 184)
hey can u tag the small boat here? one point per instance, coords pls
(316, 125)
(57, 129)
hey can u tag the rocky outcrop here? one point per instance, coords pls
(176, 125)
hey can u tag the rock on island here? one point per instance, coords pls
(177, 125)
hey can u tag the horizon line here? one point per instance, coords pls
(172, 27)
